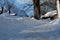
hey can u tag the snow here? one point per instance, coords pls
(25, 28)
(13, 14)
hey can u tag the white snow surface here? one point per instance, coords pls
(25, 28)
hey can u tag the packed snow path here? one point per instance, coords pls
(24, 28)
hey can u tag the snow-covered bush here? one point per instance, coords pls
(20, 7)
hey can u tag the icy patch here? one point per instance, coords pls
(54, 22)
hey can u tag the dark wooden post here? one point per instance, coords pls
(37, 13)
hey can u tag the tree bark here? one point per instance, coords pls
(2, 10)
(37, 13)
(9, 10)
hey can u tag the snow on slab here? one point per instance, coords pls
(51, 13)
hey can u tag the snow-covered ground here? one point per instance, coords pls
(25, 28)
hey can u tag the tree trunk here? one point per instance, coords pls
(2, 10)
(58, 8)
(9, 10)
(37, 13)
